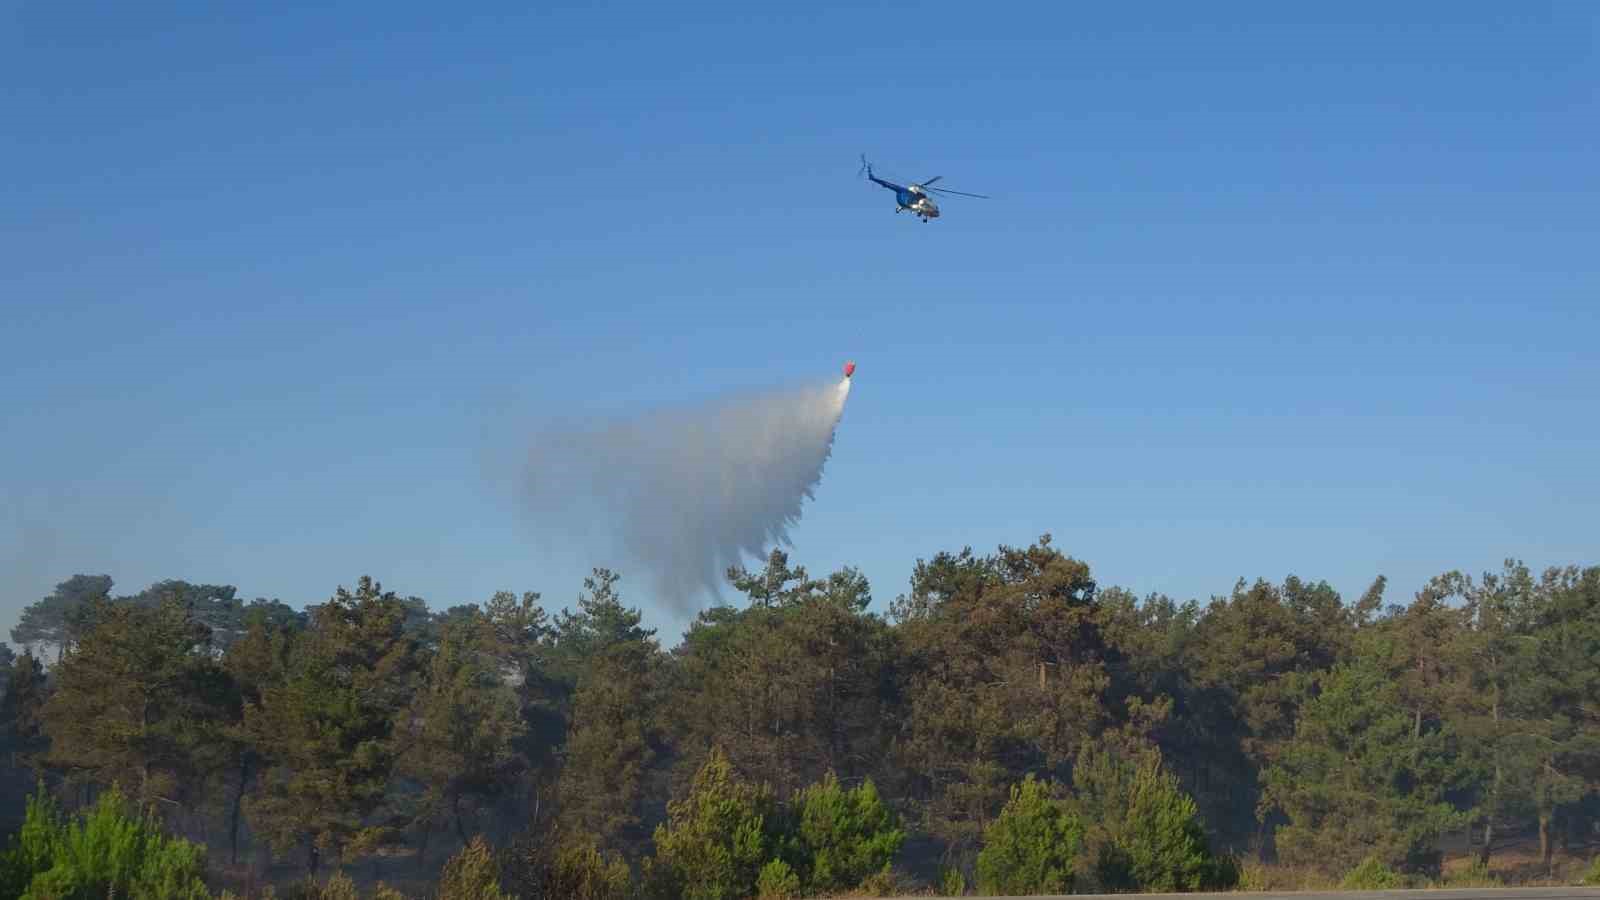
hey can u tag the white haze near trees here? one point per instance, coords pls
(686, 493)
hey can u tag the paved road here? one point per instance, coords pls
(1534, 893)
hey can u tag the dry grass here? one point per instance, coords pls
(1513, 864)
(1517, 864)
(278, 882)
(1261, 877)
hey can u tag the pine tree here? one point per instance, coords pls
(136, 701)
(1005, 673)
(716, 838)
(1143, 831)
(22, 737)
(1357, 779)
(254, 662)
(58, 619)
(1564, 739)
(790, 691)
(465, 722)
(328, 732)
(837, 838)
(1032, 846)
(613, 743)
(1499, 707)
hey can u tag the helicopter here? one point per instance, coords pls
(914, 197)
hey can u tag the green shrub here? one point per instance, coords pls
(1031, 847)
(1592, 877)
(31, 847)
(1146, 830)
(777, 881)
(559, 862)
(1224, 873)
(1251, 878)
(715, 840)
(951, 882)
(1475, 875)
(839, 838)
(471, 874)
(580, 871)
(104, 851)
(1373, 874)
(883, 883)
(339, 886)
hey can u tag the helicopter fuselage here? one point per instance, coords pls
(914, 197)
(910, 198)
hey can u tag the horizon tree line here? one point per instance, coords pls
(369, 730)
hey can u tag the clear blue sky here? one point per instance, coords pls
(1260, 290)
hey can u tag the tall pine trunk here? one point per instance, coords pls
(834, 740)
(1545, 848)
(422, 851)
(1488, 820)
(233, 815)
(1494, 796)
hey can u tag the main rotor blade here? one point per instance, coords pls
(961, 193)
(932, 180)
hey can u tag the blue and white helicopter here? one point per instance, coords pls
(914, 197)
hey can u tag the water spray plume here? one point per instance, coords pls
(685, 493)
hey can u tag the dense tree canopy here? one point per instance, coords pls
(1005, 716)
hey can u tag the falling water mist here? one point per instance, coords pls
(685, 493)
